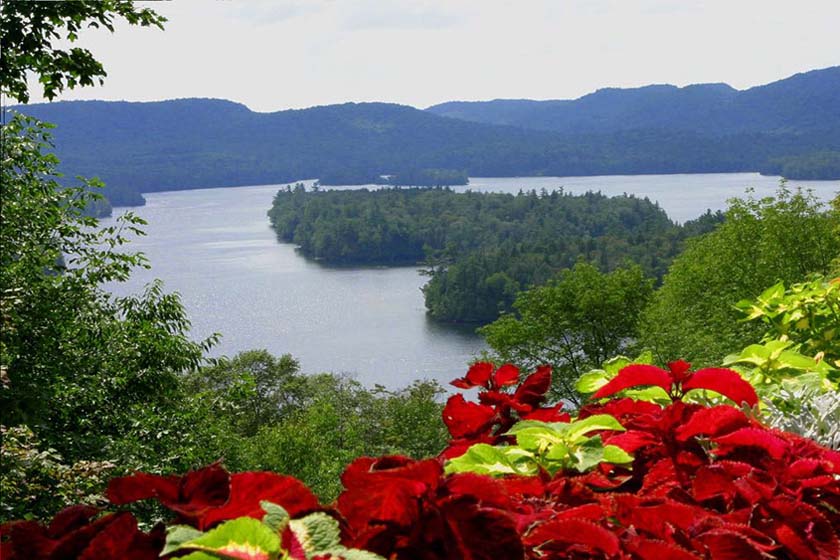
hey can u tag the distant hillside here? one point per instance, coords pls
(808, 102)
(201, 143)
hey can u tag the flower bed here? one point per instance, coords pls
(625, 479)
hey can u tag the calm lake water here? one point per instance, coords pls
(215, 247)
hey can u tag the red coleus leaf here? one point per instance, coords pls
(633, 376)
(476, 533)
(485, 490)
(506, 375)
(74, 534)
(189, 496)
(76, 543)
(502, 401)
(70, 519)
(679, 370)
(651, 549)
(292, 545)
(589, 512)
(724, 381)
(466, 418)
(751, 437)
(532, 391)
(386, 490)
(712, 481)
(658, 518)
(524, 486)
(712, 421)
(116, 540)
(631, 440)
(477, 376)
(548, 414)
(248, 489)
(802, 529)
(578, 534)
(724, 544)
(25, 540)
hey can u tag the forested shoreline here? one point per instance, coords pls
(480, 249)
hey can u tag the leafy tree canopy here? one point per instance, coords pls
(761, 242)
(572, 323)
(29, 31)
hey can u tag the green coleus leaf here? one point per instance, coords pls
(580, 428)
(788, 359)
(316, 532)
(591, 381)
(652, 394)
(588, 454)
(350, 554)
(239, 539)
(536, 436)
(482, 458)
(616, 455)
(276, 517)
(178, 535)
(557, 452)
(616, 364)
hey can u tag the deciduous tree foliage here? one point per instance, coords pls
(573, 323)
(761, 242)
(29, 31)
(78, 360)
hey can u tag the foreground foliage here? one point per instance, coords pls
(761, 242)
(680, 480)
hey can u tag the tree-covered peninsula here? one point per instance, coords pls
(480, 249)
(823, 165)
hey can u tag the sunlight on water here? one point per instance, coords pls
(215, 247)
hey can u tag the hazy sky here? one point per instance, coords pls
(273, 55)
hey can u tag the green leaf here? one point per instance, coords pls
(242, 538)
(558, 452)
(772, 294)
(276, 517)
(616, 364)
(616, 455)
(537, 436)
(351, 554)
(177, 536)
(591, 381)
(316, 532)
(580, 428)
(482, 458)
(649, 394)
(588, 454)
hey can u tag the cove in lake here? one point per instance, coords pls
(215, 247)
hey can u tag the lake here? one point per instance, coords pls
(215, 247)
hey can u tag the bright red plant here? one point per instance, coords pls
(497, 410)
(705, 483)
(677, 380)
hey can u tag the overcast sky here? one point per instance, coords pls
(273, 55)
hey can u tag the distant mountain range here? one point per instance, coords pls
(200, 143)
(808, 102)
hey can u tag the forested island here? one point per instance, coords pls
(480, 249)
